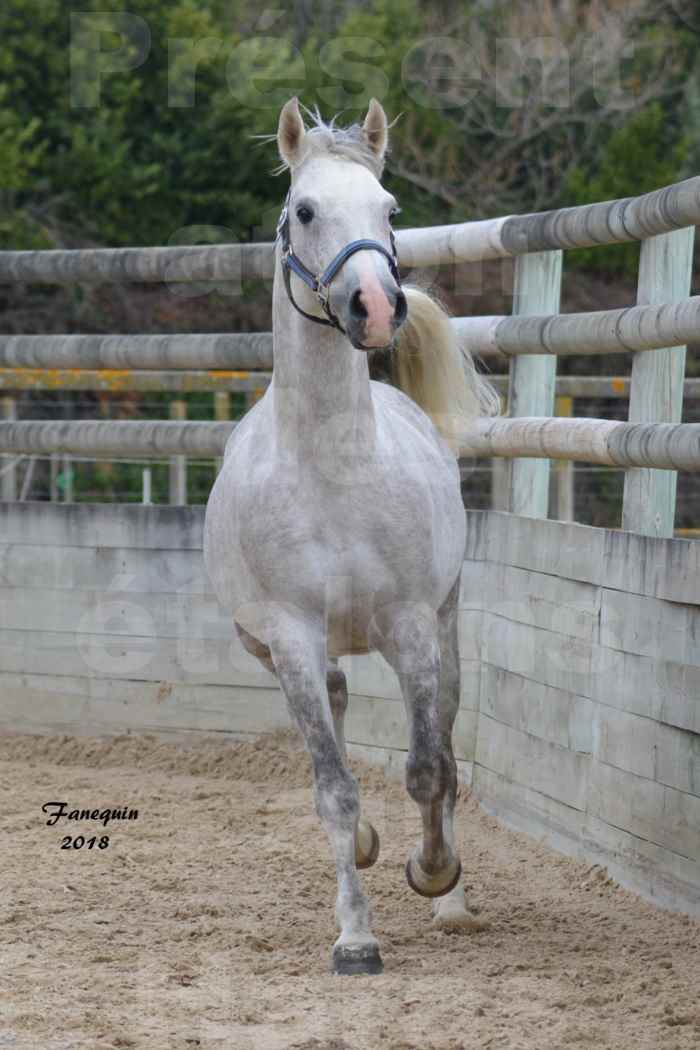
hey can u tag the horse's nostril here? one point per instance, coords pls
(357, 307)
(400, 308)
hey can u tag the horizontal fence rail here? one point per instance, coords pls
(117, 381)
(608, 222)
(225, 351)
(629, 329)
(217, 263)
(662, 445)
(632, 328)
(602, 386)
(240, 350)
(625, 330)
(146, 438)
(584, 226)
(668, 446)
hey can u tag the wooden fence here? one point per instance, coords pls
(221, 384)
(651, 446)
(580, 647)
(579, 719)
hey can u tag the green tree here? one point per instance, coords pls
(139, 165)
(644, 155)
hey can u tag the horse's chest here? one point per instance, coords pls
(382, 534)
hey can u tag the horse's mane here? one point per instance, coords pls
(327, 138)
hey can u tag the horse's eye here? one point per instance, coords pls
(304, 215)
(393, 213)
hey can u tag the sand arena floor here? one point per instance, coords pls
(208, 921)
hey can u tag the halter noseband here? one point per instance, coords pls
(320, 284)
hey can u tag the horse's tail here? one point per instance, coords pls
(430, 365)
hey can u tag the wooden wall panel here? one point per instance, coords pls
(580, 657)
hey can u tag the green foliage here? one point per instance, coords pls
(19, 152)
(171, 142)
(93, 152)
(372, 53)
(20, 159)
(641, 156)
(134, 155)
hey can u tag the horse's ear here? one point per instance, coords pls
(290, 132)
(376, 129)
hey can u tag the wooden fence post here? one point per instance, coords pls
(222, 413)
(178, 464)
(9, 475)
(146, 486)
(67, 470)
(656, 389)
(28, 478)
(564, 468)
(54, 470)
(532, 376)
(500, 483)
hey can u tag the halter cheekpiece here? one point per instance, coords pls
(320, 284)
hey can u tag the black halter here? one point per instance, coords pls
(291, 263)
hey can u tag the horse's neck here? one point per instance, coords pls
(320, 386)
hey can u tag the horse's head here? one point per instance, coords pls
(335, 200)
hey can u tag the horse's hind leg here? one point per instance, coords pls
(450, 911)
(297, 649)
(367, 839)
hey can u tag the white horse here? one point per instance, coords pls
(336, 524)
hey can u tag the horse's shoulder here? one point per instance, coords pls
(400, 406)
(393, 399)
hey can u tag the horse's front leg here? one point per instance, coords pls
(408, 637)
(366, 839)
(298, 654)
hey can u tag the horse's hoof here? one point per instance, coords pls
(366, 845)
(458, 920)
(432, 885)
(348, 960)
